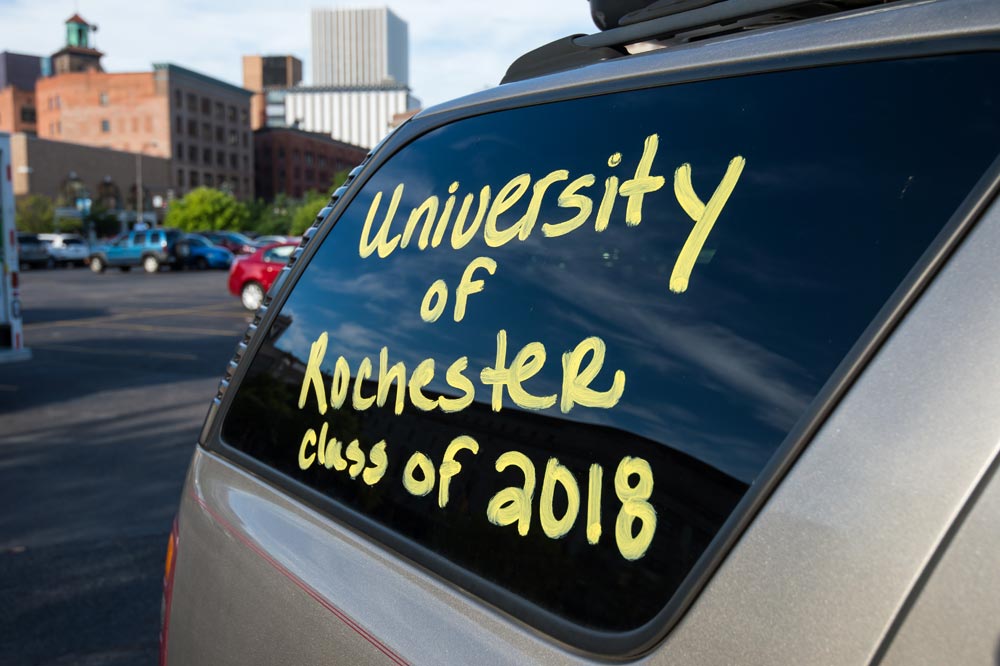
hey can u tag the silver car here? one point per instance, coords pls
(682, 356)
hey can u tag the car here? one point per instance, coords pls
(233, 241)
(150, 249)
(681, 356)
(67, 249)
(251, 275)
(267, 240)
(32, 252)
(204, 254)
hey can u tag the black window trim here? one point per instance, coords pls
(635, 643)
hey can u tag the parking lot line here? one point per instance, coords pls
(151, 328)
(199, 310)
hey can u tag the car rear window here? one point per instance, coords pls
(546, 351)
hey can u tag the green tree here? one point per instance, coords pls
(104, 222)
(207, 209)
(274, 217)
(307, 211)
(35, 213)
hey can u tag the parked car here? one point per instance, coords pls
(251, 275)
(261, 241)
(680, 357)
(67, 249)
(150, 249)
(233, 241)
(32, 252)
(204, 254)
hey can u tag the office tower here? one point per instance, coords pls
(359, 47)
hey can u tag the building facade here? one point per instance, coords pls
(67, 171)
(201, 124)
(261, 73)
(290, 161)
(358, 115)
(19, 70)
(359, 47)
(18, 73)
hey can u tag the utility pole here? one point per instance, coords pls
(139, 194)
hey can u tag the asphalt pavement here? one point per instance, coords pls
(96, 432)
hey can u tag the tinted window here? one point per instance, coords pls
(610, 342)
(139, 238)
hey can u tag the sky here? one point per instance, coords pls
(456, 46)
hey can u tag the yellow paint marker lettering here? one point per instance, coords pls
(382, 243)
(526, 364)
(576, 383)
(459, 382)
(527, 222)
(570, 199)
(340, 384)
(387, 377)
(359, 401)
(450, 467)
(308, 439)
(438, 295)
(413, 485)
(421, 377)
(642, 183)
(513, 505)
(460, 236)
(321, 445)
(508, 195)
(380, 462)
(468, 286)
(594, 504)
(634, 507)
(357, 458)
(607, 204)
(334, 458)
(557, 474)
(442, 223)
(427, 210)
(704, 217)
(314, 376)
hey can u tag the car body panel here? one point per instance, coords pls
(817, 578)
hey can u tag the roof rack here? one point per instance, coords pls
(670, 22)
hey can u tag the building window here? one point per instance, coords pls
(232, 137)
(206, 131)
(178, 98)
(232, 114)
(179, 123)
(206, 156)
(220, 111)
(192, 128)
(135, 125)
(220, 158)
(220, 134)
(102, 99)
(209, 180)
(322, 160)
(58, 102)
(309, 157)
(281, 152)
(27, 114)
(246, 185)
(192, 103)
(310, 175)
(232, 160)
(244, 116)
(193, 154)
(180, 177)
(193, 179)
(105, 126)
(246, 163)
(206, 106)
(180, 150)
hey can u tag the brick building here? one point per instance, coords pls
(262, 73)
(18, 73)
(200, 123)
(292, 161)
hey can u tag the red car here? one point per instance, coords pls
(251, 275)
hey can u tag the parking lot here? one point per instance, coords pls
(97, 431)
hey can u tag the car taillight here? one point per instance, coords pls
(168, 591)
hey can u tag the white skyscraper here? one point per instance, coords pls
(359, 47)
